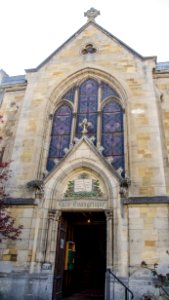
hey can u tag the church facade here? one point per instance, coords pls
(87, 134)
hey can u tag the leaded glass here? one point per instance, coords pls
(107, 91)
(112, 107)
(112, 133)
(112, 144)
(50, 164)
(118, 163)
(87, 106)
(112, 136)
(60, 136)
(70, 95)
(88, 96)
(112, 122)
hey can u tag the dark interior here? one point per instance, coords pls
(87, 230)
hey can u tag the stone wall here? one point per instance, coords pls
(140, 232)
(129, 73)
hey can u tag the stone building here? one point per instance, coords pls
(87, 133)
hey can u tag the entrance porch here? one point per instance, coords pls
(80, 270)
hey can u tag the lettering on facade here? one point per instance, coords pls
(76, 204)
(82, 185)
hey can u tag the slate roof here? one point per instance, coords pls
(162, 66)
(12, 80)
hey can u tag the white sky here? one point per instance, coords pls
(30, 30)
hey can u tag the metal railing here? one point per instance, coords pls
(127, 290)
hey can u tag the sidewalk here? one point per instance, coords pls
(86, 295)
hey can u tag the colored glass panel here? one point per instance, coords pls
(70, 95)
(118, 162)
(50, 164)
(112, 144)
(60, 136)
(112, 122)
(87, 107)
(112, 107)
(88, 96)
(112, 133)
(107, 91)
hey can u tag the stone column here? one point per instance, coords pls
(39, 215)
(110, 244)
(109, 281)
(53, 219)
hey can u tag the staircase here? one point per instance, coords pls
(128, 294)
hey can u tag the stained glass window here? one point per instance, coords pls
(112, 133)
(60, 137)
(70, 95)
(107, 91)
(87, 107)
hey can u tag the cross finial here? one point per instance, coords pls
(85, 124)
(92, 13)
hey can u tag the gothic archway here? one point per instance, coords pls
(64, 95)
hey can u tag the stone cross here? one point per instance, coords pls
(92, 13)
(85, 124)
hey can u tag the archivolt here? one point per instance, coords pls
(78, 77)
(57, 178)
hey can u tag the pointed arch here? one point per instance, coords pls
(78, 77)
(55, 181)
(68, 92)
(113, 133)
(60, 134)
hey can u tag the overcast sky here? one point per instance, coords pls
(32, 29)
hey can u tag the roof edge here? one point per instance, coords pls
(122, 43)
(13, 80)
(58, 49)
(77, 33)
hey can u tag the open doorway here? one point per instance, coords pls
(84, 262)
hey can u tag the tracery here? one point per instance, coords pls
(99, 104)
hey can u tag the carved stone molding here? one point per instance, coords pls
(124, 186)
(91, 14)
(54, 214)
(37, 186)
(109, 214)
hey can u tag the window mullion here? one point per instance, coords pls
(74, 117)
(99, 117)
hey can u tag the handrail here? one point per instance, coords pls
(164, 290)
(122, 283)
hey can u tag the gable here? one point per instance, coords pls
(84, 150)
(105, 43)
(83, 156)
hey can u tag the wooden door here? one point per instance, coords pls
(59, 261)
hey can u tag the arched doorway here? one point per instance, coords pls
(80, 256)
